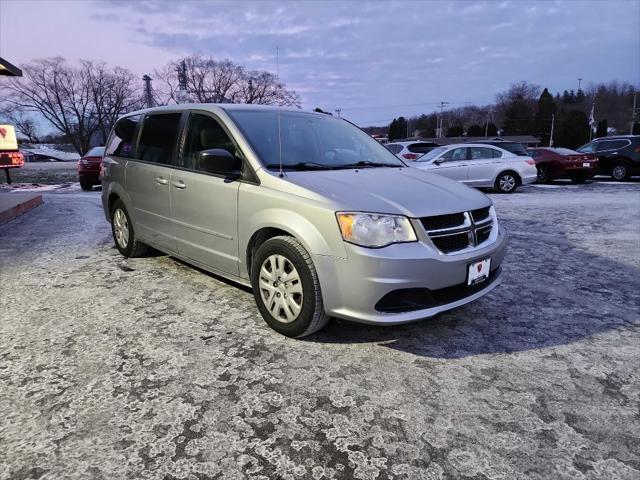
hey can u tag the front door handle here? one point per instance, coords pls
(161, 181)
(179, 184)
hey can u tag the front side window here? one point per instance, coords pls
(305, 141)
(158, 138)
(432, 154)
(122, 140)
(203, 133)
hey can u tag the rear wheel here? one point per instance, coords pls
(123, 234)
(620, 171)
(286, 287)
(543, 175)
(507, 182)
(86, 185)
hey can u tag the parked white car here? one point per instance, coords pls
(480, 165)
(410, 150)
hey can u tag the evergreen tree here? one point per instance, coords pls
(546, 109)
(491, 130)
(602, 128)
(475, 131)
(573, 129)
(455, 131)
(518, 118)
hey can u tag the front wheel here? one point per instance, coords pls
(123, 233)
(507, 182)
(286, 287)
(620, 171)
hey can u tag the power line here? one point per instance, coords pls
(399, 105)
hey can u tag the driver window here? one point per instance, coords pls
(203, 133)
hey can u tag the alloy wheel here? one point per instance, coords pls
(121, 228)
(619, 172)
(507, 183)
(281, 288)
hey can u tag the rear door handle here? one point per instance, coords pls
(179, 184)
(161, 181)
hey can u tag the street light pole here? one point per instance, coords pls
(553, 118)
(633, 113)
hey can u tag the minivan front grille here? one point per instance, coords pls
(443, 221)
(458, 232)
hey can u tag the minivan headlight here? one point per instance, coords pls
(375, 230)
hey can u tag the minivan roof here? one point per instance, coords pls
(214, 107)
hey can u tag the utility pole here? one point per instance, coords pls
(633, 113)
(553, 119)
(182, 95)
(442, 105)
(579, 83)
(147, 90)
(486, 125)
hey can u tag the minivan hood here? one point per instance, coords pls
(407, 191)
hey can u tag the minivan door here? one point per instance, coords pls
(205, 205)
(148, 176)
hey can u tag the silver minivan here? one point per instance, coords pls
(308, 210)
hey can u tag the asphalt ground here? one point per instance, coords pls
(150, 369)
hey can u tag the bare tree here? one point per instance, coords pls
(22, 121)
(80, 102)
(209, 80)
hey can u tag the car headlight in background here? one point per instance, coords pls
(375, 230)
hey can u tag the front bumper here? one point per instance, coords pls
(352, 286)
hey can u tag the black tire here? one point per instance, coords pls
(132, 247)
(620, 171)
(503, 185)
(311, 316)
(543, 175)
(86, 185)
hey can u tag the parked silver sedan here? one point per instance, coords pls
(480, 165)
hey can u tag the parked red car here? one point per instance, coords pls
(89, 168)
(555, 163)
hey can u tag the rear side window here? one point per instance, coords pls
(122, 140)
(158, 138)
(203, 133)
(455, 154)
(612, 145)
(421, 147)
(479, 153)
(394, 148)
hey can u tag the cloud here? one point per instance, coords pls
(343, 53)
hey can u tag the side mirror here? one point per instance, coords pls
(220, 162)
(438, 161)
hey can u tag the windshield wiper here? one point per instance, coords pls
(368, 164)
(300, 166)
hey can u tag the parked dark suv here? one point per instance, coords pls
(617, 156)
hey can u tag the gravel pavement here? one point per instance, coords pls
(150, 369)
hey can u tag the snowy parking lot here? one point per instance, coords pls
(150, 369)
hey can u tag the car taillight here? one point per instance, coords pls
(531, 161)
(411, 156)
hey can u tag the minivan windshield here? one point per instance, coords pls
(310, 141)
(431, 154)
